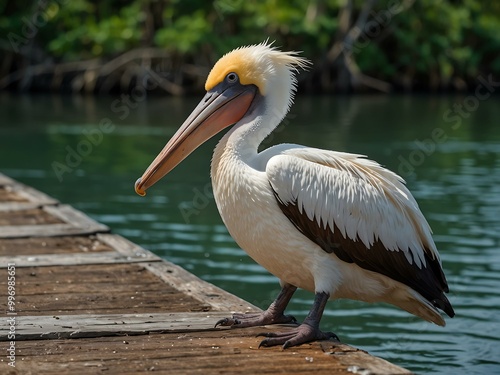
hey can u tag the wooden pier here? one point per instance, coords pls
(77, 299)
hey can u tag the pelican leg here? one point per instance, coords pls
(306, 332)
(273, 314)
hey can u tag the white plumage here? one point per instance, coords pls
(329, 187)
(363, 199)
(334, 223)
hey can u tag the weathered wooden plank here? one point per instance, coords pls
(126, 247)
(76, 218)
(94, 289)
(34, 195)
(93, 326)
(89, 325)
(35, 291)
(358, 361)
(134, 273)
(74, 223)
(6, 180)
(38, 248)
(130, 315)
(107, 257)
(179, 278)
(52, 245)
(17, 196)
(34, 216)
(204, 352)
(133, 300)
(47, 230)
(17, 206)
(195, 287)
(8, 195)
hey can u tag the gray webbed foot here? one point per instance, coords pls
(297, 336)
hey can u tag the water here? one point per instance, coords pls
(451, 164)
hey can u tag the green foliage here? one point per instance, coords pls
(419, 39)
(82, 32)
(184, 34)
(448, 38)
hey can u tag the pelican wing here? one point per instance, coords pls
(361, 212)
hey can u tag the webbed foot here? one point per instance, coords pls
(297, 336)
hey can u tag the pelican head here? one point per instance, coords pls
(236, 81)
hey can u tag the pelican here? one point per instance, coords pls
(336, 224)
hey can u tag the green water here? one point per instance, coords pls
(88, 152)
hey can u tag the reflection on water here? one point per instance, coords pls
(454, 173)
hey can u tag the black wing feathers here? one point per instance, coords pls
(429, 281)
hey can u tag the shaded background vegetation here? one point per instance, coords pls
(170, 45)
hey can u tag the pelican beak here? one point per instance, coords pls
(221, 107)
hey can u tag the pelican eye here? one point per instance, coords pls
(232, 77)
